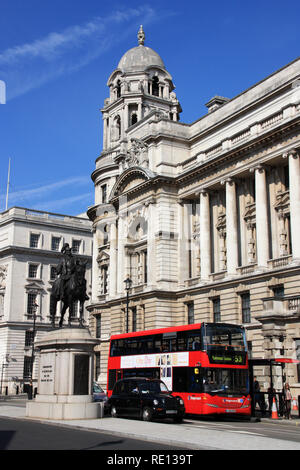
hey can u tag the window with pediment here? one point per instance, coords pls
(137, 249)
(103, 265)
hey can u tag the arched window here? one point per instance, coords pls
(155, 87)
(118, 127)
(105, 235)
(118, 89)
(133, 118)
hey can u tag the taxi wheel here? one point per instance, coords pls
(113, 412)
(147, 414)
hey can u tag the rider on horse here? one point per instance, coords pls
(64, 269)
(67, 270)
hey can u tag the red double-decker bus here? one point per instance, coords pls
(205, 364)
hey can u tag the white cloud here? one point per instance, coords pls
(66, 204)
(36, 194)
(30, 65)
(55, 43)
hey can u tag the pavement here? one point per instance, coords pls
(191, 434)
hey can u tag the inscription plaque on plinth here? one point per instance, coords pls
(46, 376)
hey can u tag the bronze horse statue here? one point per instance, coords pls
(72, 289)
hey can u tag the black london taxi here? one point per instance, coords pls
(146, 399)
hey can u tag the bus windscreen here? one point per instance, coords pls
(220, 336)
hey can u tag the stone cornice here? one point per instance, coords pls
(36, 252)
(256, 143)
(55, 224)
(246, 279)
(270, 94)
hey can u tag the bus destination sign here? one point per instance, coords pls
(226, 357)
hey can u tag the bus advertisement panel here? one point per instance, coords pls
(205, 364)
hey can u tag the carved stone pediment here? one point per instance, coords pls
(131, 178)
(134, 154)
(34, 286)
(103, 258)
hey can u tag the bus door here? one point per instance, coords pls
(187, 382)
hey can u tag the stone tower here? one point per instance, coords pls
(139, 85)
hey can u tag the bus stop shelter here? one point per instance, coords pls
(269, 363)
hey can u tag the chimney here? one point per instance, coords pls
(216, 102)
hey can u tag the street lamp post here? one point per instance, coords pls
(34, 309)
(128, 283)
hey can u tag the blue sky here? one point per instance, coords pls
(56, 57)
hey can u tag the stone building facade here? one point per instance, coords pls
(30, 244)
(203, 217)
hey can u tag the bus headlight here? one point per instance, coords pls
(155, 402)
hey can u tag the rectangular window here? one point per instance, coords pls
(97, 364)
(34, 240)
(98, 326)
(28, 338)
(76, 246)
(75, 309)
(1, 304)
(55, 242)
(31, 303)
(103, 193)
(190, 311)
(278, 291)
(216, 309)
(297, 341)
(246, 313)
(32, 270)
(250, 349)
(286, 177)
(52, 273)
(27, 367)
(134, 318)
(145, 266)
(104, 278)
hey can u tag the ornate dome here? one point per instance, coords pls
(140, 57)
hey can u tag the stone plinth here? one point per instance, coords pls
(65, 376)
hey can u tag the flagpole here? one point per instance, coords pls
(7, 189)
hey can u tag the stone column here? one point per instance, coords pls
(151, 250)
(121, 274)
(205, 239)
(95, 267)
(231, 227)
(125, 118)
(183, 241)
(108, 132)
(139, 111)
(105, 133)
(294, 180)
(113, 259)
(261, 209)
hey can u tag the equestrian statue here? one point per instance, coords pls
(68, 287)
